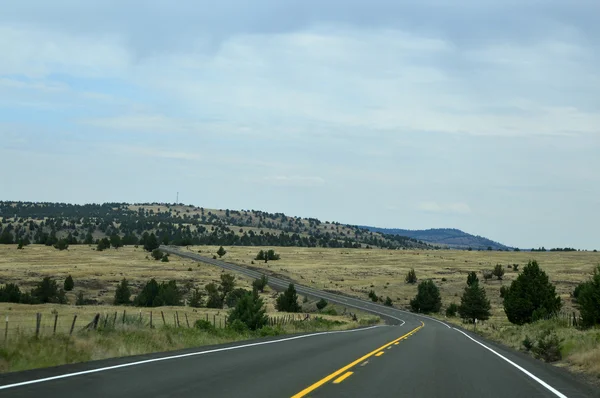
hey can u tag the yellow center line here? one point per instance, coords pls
(343, 377)
(338, 372)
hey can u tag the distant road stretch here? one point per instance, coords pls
(415, 357)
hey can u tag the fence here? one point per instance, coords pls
(48, 324)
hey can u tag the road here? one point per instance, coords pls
(413, 356)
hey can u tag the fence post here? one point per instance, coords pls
(55, 321)
(151, 320)
(206, 317)
(140, 316)
(95, 321)
(115, 320)
(174, 321)
(225, 323)
(177, 315)
(220, 324)
(123, 317)
(105, 320)
(73, 325)
(38, 321)
(214, 320)
(186, 319)
(163, 317)
(6, 329)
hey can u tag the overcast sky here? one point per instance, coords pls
(483, 115)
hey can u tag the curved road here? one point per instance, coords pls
(415, 356)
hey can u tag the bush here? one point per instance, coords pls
(260, 284)
(427, 299)
(329, 311)
(214, 299)
(157, 254)
(527, 344)
(373, 296)
(47, 291)
(531, 293)
(235, 296)
(498, 271)
(411, 277)
(203, 324)
(516, 267)
(10, 293)
(155, 295)
(587, 296)
(62, 244)
(288, 301)
(123, 293)
(452, 310)
(238, 326)
(150, 242)
(503, 291)
(548, 347)
(250, 312)
(305, 299)
(196, 299)
(321, 304)
(487, 275)
(388, 302)
(80, 299)
(269, 331)
(165, 259)
(69, 284)
(472, 278)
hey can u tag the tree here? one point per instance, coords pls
(498, 271)
(234, 297)
(6, 238)
(62, 244)
(427, 299)
(155, 295)
(214, 299)
(474, 304)
(151, 243)
(531, 296)
(260, 284)
(221, 252)
(10, 293)
(411, 277)
(196, 299)
(452, 310)
(157, 254)
(80, 299)
(89, 239)
(587, 295)
(260, 256)
(249, 310)
(123, 293)
(472, 278)
(288, 301)
(388, 302)
(373, 296)
(103, 244)
(227, 284)
(47, 291)
(115, 241)
(321, 304)
(148, 294)
(69, 284)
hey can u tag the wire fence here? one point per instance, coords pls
(49, 324)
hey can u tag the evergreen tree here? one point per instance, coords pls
(196, 299)
(472, 278)
(69, 284)
(411, 277)
(62, 244)
(427, 299)
(47, 291)
(123, 293)
(10, 293)
(221, 252)
(587, 297)
(321, 304)
(498, 271)
(260, 284)
(151, 243)
(89, 239)
(115, 241)
(531, 296)
(288, 300)
(214, 299)
(227, 285)
(474, 304)
(250, 310)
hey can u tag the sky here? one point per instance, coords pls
(479, 115)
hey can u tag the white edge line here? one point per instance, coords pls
(124, 365)
(540, 381)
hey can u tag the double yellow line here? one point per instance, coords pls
(338, 372)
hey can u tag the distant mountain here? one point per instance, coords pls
(449, 237)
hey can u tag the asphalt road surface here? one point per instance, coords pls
(413, 356)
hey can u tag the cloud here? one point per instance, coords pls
(452, 208)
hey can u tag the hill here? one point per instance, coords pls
(182, 225)
(448, 237)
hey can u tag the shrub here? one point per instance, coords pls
(47, 291)
(155, 295)
(305, 299)
(238, 326)
(250, 312)
(260, 284)
(288, 301)
(157, 254)
(321, 304)
(373, 296)
(498, 271)
(444, 279)
(388, 302)
(150, 242)
(203, 324)
(123, 293)
(69, 284)
(214, 257)
(587, 296)
(80, 299)
(10, 293)
(487, 275)
(427, 299)
(329, 311)
(411, 277)
(62, 244)
(548, 347)
(516, 267)
(214, 299)
(452, 310)
(268, 331)
(165, 259)
(527, 344)
(503, 291)
(531, 293)
(235, 296)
